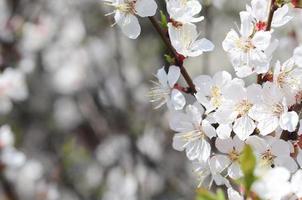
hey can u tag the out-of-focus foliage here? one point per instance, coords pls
(203, 194)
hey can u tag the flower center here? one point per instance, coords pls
(245, 44)
(184, 2)
(243, 107)
(281, 79)
(159, 94)
(193, 135)
(278, 109)
(234, 155)
(127, 7)
(216, 96)
(268, 158)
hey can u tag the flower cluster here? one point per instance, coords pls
(9, 156)
(125, 12)
(227, 114)
(12, 88)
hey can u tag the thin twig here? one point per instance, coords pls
(273, 8)
(8, 188)
(168, 44)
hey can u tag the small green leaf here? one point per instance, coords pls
(247, 160)
(248, 165)
(169, 59)
(203, 194)
(164, 21)
(220, 195)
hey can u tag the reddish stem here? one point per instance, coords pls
(273, 8)
(178, 58)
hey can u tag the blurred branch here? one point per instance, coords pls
(89, 110)
(118, 58)
(8, 188)
(68, 182)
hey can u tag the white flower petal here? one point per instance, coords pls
(280, 148)
(296, 183)
(230, 40)
(280, 18)
(145, 8)
(258, 144)
(287, 162)
(224, 131)
(199, 149)
(129, 25)
(162, 76)
(234, 195)
(234, 171)
(173, 75)
(259, 8)
(203, 45)
(218, 163)
(299, 158)
(177, 99)
(222, 78)
(178, 142)
(261, 39)
(298, 56)
(268, 125)
(289, 121)
(224, 146)
(246, 24)
(244, 127)
(208, 129)
(238, 144)
(203, 84)
(180, 122)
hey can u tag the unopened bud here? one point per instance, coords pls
(297, 3)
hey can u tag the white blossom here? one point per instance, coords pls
(259, 11)
(209, 90)
(9, 156)
(12, 88)
(184, 12)
(164, 91)
(231, 148)
(289, 79)
(236, 108)
(6, 136)
(247, 50)
(210, 171)
(274, 184)
(273, 111)
(185, 40)
(193, 133)
(272, 152)
(125, 12)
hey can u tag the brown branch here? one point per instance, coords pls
(179, 63)
(273, 8)
(8, 188)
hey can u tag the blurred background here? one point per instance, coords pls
(84, 128)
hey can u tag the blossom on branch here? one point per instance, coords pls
(125, 12)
